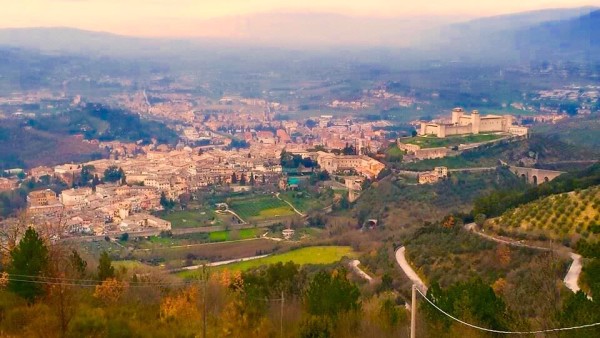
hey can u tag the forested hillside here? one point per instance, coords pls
(396, 202)
(49, 140)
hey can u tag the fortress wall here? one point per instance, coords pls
(492, 124)
(430, 129)
(431, 153)
(457, 130)
(465, 120)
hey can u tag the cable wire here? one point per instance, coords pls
(501, 331)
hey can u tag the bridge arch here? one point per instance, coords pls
(534, 176)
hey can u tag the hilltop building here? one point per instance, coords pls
(438, 173)
(462, 124)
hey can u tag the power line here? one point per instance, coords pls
(84, 281)
(92, 284)
(501, 331)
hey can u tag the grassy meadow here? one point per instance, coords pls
(303, 256)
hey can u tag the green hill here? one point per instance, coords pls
(397, 202)
(540, 147)
(563, 216)
(49, 140)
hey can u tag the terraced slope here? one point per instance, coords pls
(564, 217)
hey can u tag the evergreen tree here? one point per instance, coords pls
(77, 263)
(243, 179)
(234, 179)
(252, 180)
(29, 260)
(330, 294)
(105, 268)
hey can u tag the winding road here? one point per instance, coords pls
(408, 270)
(571, 279)
(354, 266)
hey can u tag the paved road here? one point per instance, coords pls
(354, 266)
(472, 169)
(472, 227)
(408, 270)
(196, 267)
(572, 277)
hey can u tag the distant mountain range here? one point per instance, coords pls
(561, 33)
(567, 34)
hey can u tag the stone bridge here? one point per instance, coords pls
(535, 176)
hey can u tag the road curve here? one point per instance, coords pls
(408, 270)
(572, 277)
(573, 274)
(354, 266)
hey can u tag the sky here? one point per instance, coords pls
(176, 18)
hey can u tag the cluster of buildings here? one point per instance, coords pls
(8, 184)
(106, 208)
(438, 173)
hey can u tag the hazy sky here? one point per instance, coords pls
(176, 17)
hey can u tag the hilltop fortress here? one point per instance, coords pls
(462, 124)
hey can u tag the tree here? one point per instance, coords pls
(110, 290)
(29, 260)
(577, 310)
(316, 327)
(330, 294)
(474, 299)
(86, 174)
(243, 179)
(310, 124)
(252, 179)
(349, 150)
(503, 254)
(480, 219)
(234, 178)
(105, 268)
(413, 133)
(77, 263)
(123, 177)
(449, 222)
(113, 174)
(165, 202)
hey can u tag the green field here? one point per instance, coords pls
(261, 208)
(450, 141)
(303, 201)
(188, 218)
(309, 255)
(229, 235)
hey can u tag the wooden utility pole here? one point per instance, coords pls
(205, 280)
(281, 316)
(413, 313)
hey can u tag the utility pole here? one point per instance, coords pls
(413, 313)
(205, 280)
(281, 316)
